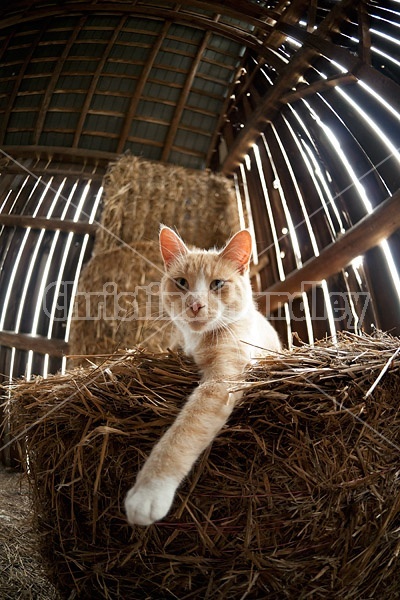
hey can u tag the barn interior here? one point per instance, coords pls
(280, 116)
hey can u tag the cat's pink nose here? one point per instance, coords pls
(196, 308)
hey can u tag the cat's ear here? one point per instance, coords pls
(238, 250)
(171, 246)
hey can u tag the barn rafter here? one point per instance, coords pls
(288, 85)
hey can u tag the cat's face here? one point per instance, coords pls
(205, 290)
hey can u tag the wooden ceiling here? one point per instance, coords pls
(164, 80)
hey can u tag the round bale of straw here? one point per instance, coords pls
(298, 497)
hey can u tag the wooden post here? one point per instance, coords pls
(79, 227)
(36, 343)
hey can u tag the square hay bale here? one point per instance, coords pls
(298, 497)
(140, 194)
(118, 303)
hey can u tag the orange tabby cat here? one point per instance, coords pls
(207, 295)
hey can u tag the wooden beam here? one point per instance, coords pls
(55, 170)
(79, 227)
(41, 118)
(256, 268)
(98, 158)
(312, 16)
(253, 14)
(180, 105)
(235, 9)
(267, 109)
(12, 96)
(288, 14)
(365, 234)
(318, 86)
(138, 91)
(37, 343)
(94, 83)
(213, 145)
(364, 33)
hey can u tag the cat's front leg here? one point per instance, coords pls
(205, 412)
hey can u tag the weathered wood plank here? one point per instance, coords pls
(366, 234)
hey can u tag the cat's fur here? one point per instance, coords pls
(218, 325)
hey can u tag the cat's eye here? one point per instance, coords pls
(217, 284)
(182, 283)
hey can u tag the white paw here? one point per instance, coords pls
(149, 501)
